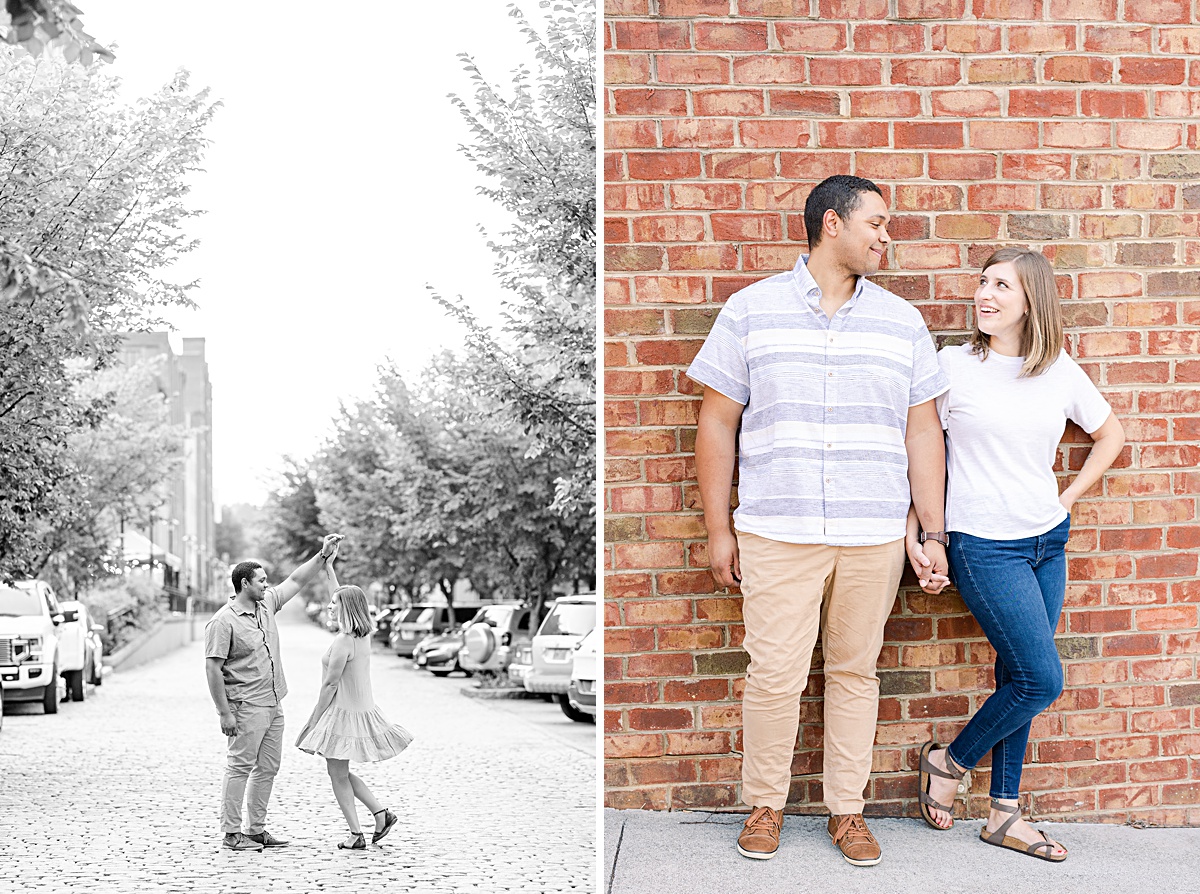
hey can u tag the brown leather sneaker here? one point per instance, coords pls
(760, 835)
(850, 833)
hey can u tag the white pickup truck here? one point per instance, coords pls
(29, 644)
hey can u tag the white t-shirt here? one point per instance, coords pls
(1001, 436)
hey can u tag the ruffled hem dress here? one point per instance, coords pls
(352, 727)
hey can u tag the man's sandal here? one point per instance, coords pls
(1000, 839)
(926, 771)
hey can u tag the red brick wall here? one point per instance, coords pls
(985, 122)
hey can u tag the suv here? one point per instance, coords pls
(422, 620)
(29, 659)
(554, 644)
(582, 694)
(80, 649)
(493, 636)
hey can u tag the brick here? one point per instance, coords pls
(1109, 167)
(860, 134)
(814, 166)
(811, 37)
(1041, 103)
(963, 103)
(651, 35)
(1161, 12)
(1116, 39)
(1047, 166)
(1174, 167)
(844, 72)
(1113, 104)
(705, 133)
(626, 69)
(955, 166)
(691, 68)
(1114, 284)
(1001, 71)
(1077, 134)
(769, 69)
(931, 9)
(1151, 71)
(651, 103)
(936, 71)
(747, 227)
(705, 196)
(740, 165)
(893, 38)
(1078, 69)
(804, 102)
(725, 36)
(784, 134)
(777, 196)
(967, 39)
(736, 103)
(668, 228)
(1086, 10)
(1147, 135)
(885, 104)
(1072, 197)
(929, 198)
(663, 165)
(1040, 38)
(852, 9)
(661, 719)
(1001, 196)
(967, 226)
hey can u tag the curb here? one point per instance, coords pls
(495, 692)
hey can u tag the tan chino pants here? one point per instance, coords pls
(790, 592)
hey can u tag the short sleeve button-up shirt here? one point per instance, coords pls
(821, 450)
(248, 641)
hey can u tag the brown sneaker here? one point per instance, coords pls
(760, 835)
(850, 833)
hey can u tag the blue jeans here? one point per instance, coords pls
(1015, 589)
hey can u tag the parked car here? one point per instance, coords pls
(422, 620)
(581, 693)
(493, 636)
(438, 652)
(522, 660)
(29, 648)
(80, 649)
(383, 622)
(571, 618)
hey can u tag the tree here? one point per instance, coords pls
(37, 24)
(123, 463)
(436, 485)
(538, 149)
(91, 208)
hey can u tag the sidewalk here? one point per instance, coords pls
(650, 852)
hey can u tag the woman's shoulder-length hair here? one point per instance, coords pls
(353, 615)
(1042, 339)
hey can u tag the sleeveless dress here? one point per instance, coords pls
(352, 728)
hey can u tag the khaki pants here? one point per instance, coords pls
(789, 591)
(254, 756)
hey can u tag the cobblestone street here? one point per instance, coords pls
(120, 792)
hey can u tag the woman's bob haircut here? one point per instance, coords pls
(353, 617)
(1042, 339)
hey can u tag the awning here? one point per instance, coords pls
(136, 546)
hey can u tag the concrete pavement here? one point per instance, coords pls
(648, 852)
(120, 792)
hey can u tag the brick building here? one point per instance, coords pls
(1065, 125)
(178, 549)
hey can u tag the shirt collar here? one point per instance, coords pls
(811, 292)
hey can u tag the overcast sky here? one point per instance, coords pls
(334, 191)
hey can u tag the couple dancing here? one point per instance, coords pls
(859, 443)
(245, 678)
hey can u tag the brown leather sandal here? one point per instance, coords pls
(926, 771)
(1000, 837)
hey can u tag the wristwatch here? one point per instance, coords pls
(941, 537)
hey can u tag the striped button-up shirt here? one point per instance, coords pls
(822, 456)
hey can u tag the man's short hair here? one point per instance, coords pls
(242, 572)
(842, 193)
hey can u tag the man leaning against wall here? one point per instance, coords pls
(831, 379)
